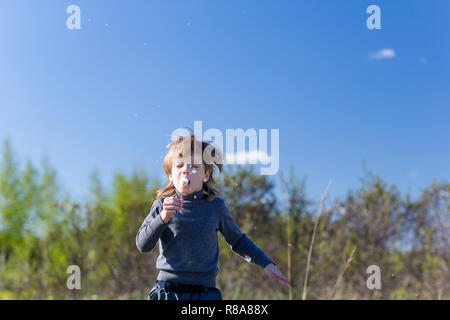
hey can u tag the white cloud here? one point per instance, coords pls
(254, 156)
(386, 53)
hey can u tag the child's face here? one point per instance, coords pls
(195, 173)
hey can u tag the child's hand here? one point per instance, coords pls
(170, 207)
(273, 272)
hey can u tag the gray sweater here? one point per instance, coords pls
(188, 246)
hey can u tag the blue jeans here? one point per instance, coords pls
(160, 292)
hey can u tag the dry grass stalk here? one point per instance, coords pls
(347, 263)
(288, 234)
(305, 284)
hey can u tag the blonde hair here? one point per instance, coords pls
(183, 146)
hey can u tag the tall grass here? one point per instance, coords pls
(288, 234)
(305, 284)
(347, 263)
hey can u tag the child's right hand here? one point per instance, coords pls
(170, 207)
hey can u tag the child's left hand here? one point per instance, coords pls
(272, 271)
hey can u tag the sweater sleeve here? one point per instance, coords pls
(151, 229)
(239, 242)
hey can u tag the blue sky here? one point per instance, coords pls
(109, 95)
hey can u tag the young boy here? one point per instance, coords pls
(188, 247)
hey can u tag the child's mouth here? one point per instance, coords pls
(185, 182)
